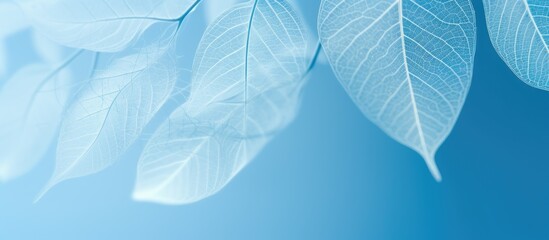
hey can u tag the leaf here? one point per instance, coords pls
(12, 21)
(31, 106)
(247, 77)
(31, 103)
(214, 8)
(48, 50)
(3, 59)
(519, 31)
(102, 25)
(112, 110)
(407, 64)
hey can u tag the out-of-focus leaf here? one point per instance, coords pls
(247, 77)
(102, 25)
(111, 111)
(31, 106)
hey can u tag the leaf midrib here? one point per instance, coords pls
(409, 80)
(531, 16)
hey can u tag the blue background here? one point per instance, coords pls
(332, 175)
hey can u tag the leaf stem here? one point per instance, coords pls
(180, 20)
(186, 13)
(314, 59)
(246, 62)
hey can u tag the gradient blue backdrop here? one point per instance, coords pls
(332, 175)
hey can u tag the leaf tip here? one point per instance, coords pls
(46, 189)
(138, 196)
(433, 168)
(155, 197)
(146, 197)
(4, 174)
(9, 172)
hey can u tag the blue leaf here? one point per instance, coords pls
(407, 64)
(247, 77)
(102, 25)
(519, 31)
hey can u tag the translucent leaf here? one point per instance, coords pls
(102, 25)
(3, 59)
(48, 50)
(247, 77)
(214, 8)
(31, 106)
(407, 64)
(112, 110)
(12, 21)
(519, 31)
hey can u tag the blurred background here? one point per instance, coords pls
(331, 175)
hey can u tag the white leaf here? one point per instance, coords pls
(3, 59)
(247, 77)
(48, 50)
(112, 110)
(31, 106)
(407, 64)
(12, 20)
(102, 25)
(214, 8)
(519, 31)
